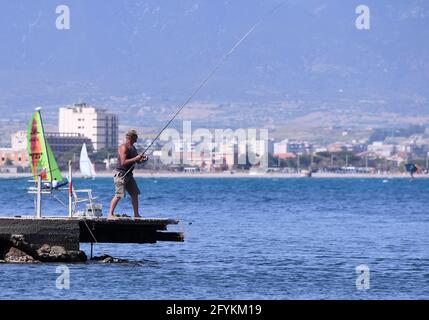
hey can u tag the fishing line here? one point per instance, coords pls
(59, 200)
(207, 78)
(84, 221)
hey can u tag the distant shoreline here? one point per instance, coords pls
(276, 175)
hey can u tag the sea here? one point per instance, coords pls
(246, 238)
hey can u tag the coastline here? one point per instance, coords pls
(227, 175)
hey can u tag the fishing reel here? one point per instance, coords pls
(144, 159)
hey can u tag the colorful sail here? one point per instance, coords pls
(42, 160)
(86, 167)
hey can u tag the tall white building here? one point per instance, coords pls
(94, 123)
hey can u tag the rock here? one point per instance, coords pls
(18, 241)
(17, 237)
(2, 261)
(108, 259)
(47, 253)
(57, 251)
(18, 250)
(15, 255)
(46, 248)
(77, 256)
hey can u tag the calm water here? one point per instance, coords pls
(250, 239)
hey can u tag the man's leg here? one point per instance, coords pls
(135, 202)
(119, 193)
(113, 205)
(134, 192)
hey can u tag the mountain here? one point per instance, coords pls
(132, 54)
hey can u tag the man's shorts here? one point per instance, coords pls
(125, 183)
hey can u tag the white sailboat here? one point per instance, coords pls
(86, 167)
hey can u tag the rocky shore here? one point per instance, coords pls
(18, 250)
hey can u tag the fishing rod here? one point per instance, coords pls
(206, 79)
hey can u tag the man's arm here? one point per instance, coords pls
(122, 150)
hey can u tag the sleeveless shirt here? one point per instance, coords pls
(131, 152)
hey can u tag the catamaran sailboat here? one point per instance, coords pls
(86, 167)
(42, 160)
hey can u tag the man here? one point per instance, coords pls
(127, 158)
(411, 169)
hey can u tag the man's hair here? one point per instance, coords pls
(132, 134)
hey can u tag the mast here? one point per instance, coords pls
(70, 190)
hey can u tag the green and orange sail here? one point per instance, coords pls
(42, 160)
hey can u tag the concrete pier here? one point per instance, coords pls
(37, 237)
(128, 231)
(60, 232)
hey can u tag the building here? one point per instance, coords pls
(17, 155)
(360, 147)
(381, 150)
(19, 140)
(65, 142)
(16, 158)
(280, 147)
(225, 156)
(337, 147)
(320, 150)
(297, 147)
(271, 146)
(286, 155)
(94, 123)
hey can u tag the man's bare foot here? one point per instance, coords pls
(138, 216)
(111, 217)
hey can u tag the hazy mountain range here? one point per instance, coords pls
(144, 57)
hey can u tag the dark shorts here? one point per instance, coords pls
(125, 183)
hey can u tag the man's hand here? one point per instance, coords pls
(142, 159)
(137, 158)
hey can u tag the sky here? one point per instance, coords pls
(305, 50)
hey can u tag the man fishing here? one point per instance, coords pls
(128, 155)
(123, 178)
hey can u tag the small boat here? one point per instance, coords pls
(86, 167)
(42, 160)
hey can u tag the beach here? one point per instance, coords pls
(229, 175)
